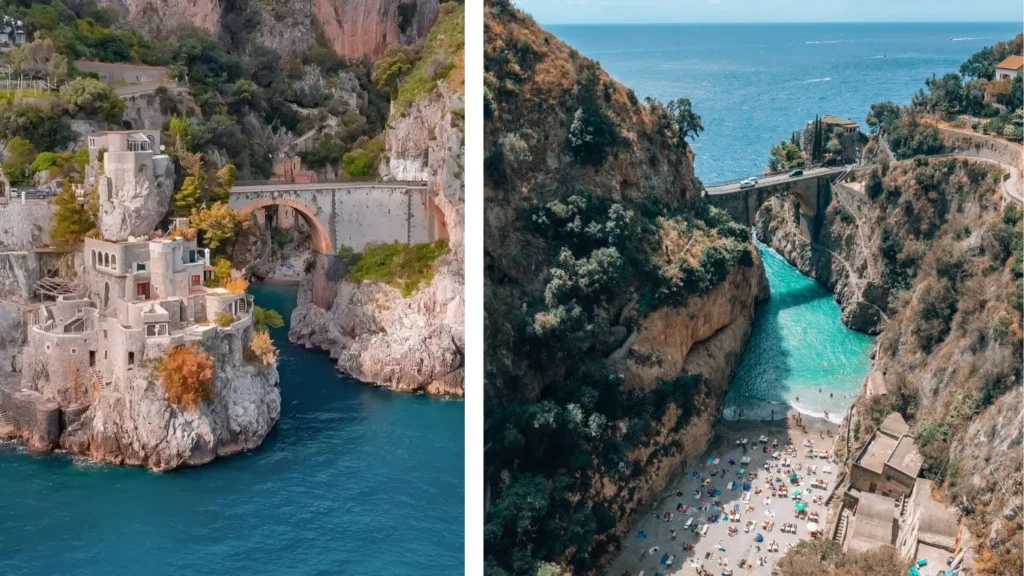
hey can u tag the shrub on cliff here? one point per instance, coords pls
(402, 266)
(591, 133)
(218, 224)
(363, 160)
(186, 374)
(92, 98)
(817, 557)
(261, 348)
(264, 319)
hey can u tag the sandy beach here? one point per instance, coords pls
(713, 515)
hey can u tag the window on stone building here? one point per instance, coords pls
(113, 261)
(140, 266)
(196, 280)
(74, 350)
(131, 358)
(92, 358)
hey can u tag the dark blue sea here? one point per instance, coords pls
(353, 480)
(754, 84)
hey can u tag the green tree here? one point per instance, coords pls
(687, 122)
(265, 318)
(882, 115)
(17, 167)
(591, 134)
(92, 98)
(71, 221)
(786, 156)
(218, 223)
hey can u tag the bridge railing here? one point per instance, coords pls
(724, 183)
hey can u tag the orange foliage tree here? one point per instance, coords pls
(186, 374)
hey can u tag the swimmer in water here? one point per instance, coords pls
(797, 398)
(829, 394)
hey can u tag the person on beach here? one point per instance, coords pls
(773, 414)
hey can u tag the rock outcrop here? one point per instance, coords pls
(835, 260)
(133, 423)
(376, 334)
(153, 17)
(405, 344)
(365, 28)
(135, 199)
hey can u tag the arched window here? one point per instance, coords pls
(93, 258)
(113, 261)
(106, 260)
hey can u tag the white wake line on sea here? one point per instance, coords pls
(825, 41)
(812, 80)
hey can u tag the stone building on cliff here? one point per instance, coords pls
(84, 374)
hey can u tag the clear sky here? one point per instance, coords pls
(681, 11)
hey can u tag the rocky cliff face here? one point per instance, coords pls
(133, 200)
(835, 259)
(132, 423)
(354, 28)
(617, 306)
(154, 16)
(414, 344)
(358, 28)
(375, 334)
(943, 250)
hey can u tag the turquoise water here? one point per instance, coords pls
(753, 84)
(353, 480)
(797, 346)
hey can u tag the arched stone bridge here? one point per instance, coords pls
(814, 189)
(351, 214)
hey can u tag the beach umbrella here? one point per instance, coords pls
(794, 476)
(812, 527)
(796, 493)
(801, 506)
(759, 538)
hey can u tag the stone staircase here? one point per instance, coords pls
(97, 376)
(844, 522)
(5, 418)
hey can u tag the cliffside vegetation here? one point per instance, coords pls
(411, 72)
(976, 101)
(186, 374)
(593, 222)
(817, 557)
(952, 263)
(402, 266)
(246, 100)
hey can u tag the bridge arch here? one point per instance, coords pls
(321, 236)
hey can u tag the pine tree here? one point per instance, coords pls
(71, 221)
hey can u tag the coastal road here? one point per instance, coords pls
(813, 173)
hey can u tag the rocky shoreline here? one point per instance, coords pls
(376, 335)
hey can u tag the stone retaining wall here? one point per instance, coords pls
(984, 146)
(27, 415)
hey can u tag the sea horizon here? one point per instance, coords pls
(753, 89)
